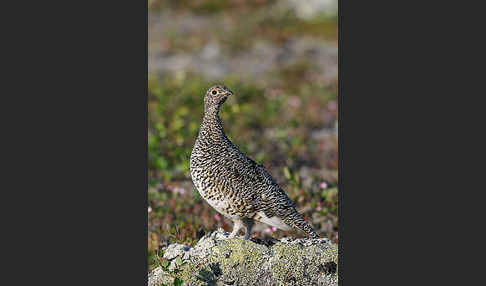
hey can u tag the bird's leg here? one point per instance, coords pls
(237, 225)
(248, 225)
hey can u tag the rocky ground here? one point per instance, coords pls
(217, 260)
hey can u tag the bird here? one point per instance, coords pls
(234, 184)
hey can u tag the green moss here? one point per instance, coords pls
(294, 262)
(284, 263)
(234, 257)
(241, 252)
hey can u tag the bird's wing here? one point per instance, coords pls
(271, 193)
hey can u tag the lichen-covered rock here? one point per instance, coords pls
(217, 260)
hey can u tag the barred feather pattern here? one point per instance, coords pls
(231, 182)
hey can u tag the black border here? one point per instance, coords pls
(78, 158)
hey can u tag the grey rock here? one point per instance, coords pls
(218, 260)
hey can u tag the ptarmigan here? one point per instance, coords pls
(232, 183)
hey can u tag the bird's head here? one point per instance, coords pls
(216, 96)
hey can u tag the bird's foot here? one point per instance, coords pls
(235, 236)
(243, 237)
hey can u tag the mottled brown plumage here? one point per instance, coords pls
(232, 183)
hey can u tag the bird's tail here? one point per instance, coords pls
(296, 220)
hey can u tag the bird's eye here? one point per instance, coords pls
(214, 92)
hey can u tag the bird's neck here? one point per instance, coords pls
(211, 111)
(212, 124)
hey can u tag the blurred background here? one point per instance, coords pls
(280, 58)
